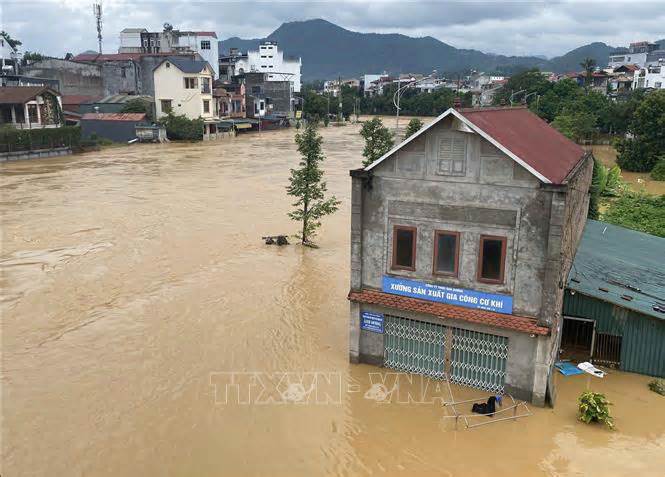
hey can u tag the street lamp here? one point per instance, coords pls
(398, 94)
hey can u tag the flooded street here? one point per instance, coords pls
(135, 288)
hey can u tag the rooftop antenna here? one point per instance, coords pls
(97, 11)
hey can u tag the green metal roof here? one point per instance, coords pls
(621, 266)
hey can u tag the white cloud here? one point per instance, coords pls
(526, 27)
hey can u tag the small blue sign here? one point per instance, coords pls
(371, 321)
(449, 295)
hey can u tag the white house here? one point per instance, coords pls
(140, 40)
(270, 59)
(184, 86)
(636, 55)
(652, 76)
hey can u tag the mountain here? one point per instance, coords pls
(571, 60)
(328, 51)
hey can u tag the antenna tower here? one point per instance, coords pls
(97, 11)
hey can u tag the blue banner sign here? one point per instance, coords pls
(371, 321)
(449, 295)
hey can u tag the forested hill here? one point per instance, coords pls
(328, 51)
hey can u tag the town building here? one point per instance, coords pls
(184, 86)
(652, 76)
(117, 127)
(265, 97)
(271, 60)
(614, 305)
(637, 54)
(367, 80)
(171, 41)
(462, 237)
(30, 107)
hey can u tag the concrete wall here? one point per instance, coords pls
(74, 78)
(493, 196)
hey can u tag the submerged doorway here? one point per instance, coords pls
(577, 339)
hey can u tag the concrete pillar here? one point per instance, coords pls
(356, 232)
(354, 332)
(39, 113)
(541, 370)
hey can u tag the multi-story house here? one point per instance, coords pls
(170, 40)
(636, 54)
(184, 86)
(271, 60)
(462, 237)
(651, 76)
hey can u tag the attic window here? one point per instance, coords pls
(451, 156)
(168, 65)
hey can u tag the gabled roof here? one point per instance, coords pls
(518, 133)
(620, 266)
(22, 94)
(185, 64)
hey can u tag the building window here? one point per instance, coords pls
(206, 106)
(491, 259)
(404, 248)
(446, 253)
(166, 105)
(205, 85)
(205, 44)
(32, 113)
(168, 65)
(123, 72)
(191, 83)
(451, 157)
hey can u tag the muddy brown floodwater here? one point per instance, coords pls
(136, 289)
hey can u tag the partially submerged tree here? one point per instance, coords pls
(307, 185)
(378, 140)
(414, 126)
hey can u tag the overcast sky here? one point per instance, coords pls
(539, 28)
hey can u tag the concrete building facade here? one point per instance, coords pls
(461, 240)
(270, 59)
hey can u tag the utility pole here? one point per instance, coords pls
(97, 11)
(339, 108)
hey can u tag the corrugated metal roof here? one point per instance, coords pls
(621, 266)
(123, 98)
(529, 138)
(114, 116)
(521, 135)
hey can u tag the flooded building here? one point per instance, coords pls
(614, 305)
(462, 237)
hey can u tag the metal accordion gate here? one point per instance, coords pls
(478, 360)
(415, 346)
(469, 358)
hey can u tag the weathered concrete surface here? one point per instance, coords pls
(494, 196)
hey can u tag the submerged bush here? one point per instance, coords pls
(658, 386)
(658, 171)
(594, 407)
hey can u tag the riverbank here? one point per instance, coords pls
(135, 281)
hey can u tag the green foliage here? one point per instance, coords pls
(180, 127)
(44, 138)
(11, 41)
(31, 57)
(414, 126)
(378, 140)
(588, 64)
(605, 182)
(638, 211)
(594, 407)
(412, 102)
(326, 121)
(529, 81)
(575, 125)
(658, 171)
(138, 105)
(658, 386)
(307, 185)
(641, 152)
(635, 155)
